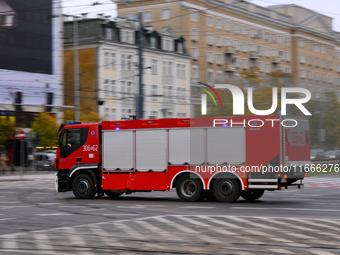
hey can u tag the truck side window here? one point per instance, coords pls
(72, 139)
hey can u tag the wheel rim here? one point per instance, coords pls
(226, 188)
(83, 186)
(188, 188)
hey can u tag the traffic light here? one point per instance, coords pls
(36, 140)
(49, 101)
(18, 96)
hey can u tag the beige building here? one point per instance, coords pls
(227, 37)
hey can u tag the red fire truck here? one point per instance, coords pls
(211, 157)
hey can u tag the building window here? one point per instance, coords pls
(259, 49)
(194, 15)
(287, 41)
(154, 92)
(245, 63)
(259, 34)
(280, 39)
(153, 43)
(236, 28)
(236, 62)
(323, 49)
(210, 57)
(210, 39)
(210, 76)
(219, 76)
(244, 46)
(302, 58)
(252, 47)
(127, 36)
(267, 65)
(219, 41)
(323, 63)
(266, 36)
(244, 30)
(302, 43)
(260, 66)
(108, 33)
(309, 45)
(219, 58)
(338, 55)
(252, 32)
(154, 66)
(181, 69)
(227, 25)
(179, 47)
(219, 23)
(113, 88)
(167, 68)
(338, 68)
(106, 88)
(194, 52)
(324, 77)
(194, 72)
(166, 14)
(274, 52)
(309, 60)
(210, 21)
(330, 78)
(107, 60)
(281, 54)
(194, 34)
(287, 55)
(167, 44)
(302, 73)
(227, 41)
(330, 51)
(147, 16)
(317, 62)
(317, 76)
(236, 45)
(273, 38)
(267, 51)
(316, 47)
(287, 70)
(310, 75)
(126, 62)
(330, 65)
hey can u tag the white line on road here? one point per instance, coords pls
(91, 210)
(197, 207)
(53, 214)
(10, 202)
(294, 209)
(49, 203)
(7, 219)
(71, 206)
(120, 214)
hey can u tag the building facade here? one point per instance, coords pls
(229, 37)
(108, 69)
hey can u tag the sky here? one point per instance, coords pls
(327, 7)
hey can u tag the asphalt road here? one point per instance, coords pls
(34, 219)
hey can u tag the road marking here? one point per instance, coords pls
(281, 251)
(49, 203)
(158, 230)
(197, 207)
(218, 222)
(10, 202)
(42, 242)
(15, 206)
(293, 209)
(10, 242)
(120, 214)
(7, 219)
(261, 226)
(72, 206)
(54, 214)
(321, 252)
(91, 210)
(107, 238)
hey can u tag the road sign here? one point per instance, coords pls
(21, 135)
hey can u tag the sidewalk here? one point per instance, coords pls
(25, 173)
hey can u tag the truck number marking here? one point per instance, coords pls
(90, 148)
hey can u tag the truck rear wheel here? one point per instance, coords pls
(189, 189)
(226, 190)
(113, 194)
(252, 195)
(83, 186)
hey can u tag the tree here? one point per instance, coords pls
(46, 126)
(7, 131)
(85, 115)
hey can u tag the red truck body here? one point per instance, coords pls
(223, 157)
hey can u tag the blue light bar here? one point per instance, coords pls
(73, 122)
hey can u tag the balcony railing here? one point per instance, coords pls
(229, 50)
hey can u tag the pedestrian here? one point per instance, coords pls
(3, 162)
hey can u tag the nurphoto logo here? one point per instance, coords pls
(238, 99)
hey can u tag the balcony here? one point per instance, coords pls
(230, 68)
(276, 60)
(229, 50)
(254, 55)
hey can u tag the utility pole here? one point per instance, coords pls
(76, 68)
(287, 84)
(140, 47)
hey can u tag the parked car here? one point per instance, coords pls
(45, 161)
(317, 154)
(332, 155)
(50, 151)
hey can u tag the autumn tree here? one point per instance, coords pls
(7, 131)
(85, 115)
(46, 126)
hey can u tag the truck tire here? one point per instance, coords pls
(252, 195)
(227, 190)
(112, 194)
(189, 189)
(83, 186)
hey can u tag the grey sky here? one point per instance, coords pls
(326, 7)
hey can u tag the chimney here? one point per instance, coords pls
(84, 15)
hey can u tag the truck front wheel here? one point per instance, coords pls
(83, 186)
(189, 189)
(226, 190)
(252, 195)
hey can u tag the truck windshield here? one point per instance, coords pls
(71, 137)
(71, 140)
